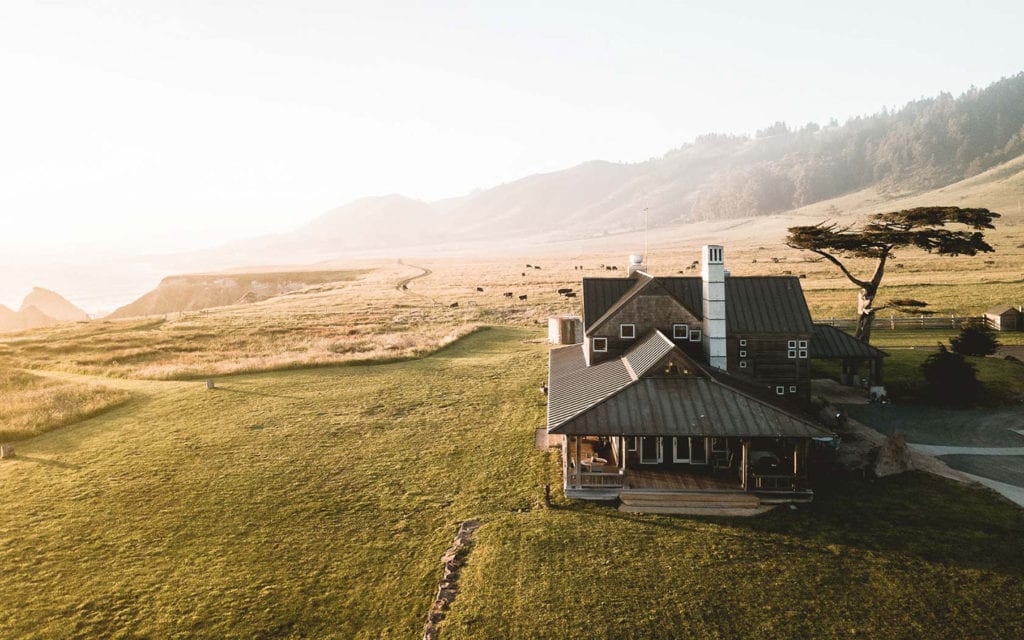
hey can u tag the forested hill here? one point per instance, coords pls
(927, 144)
(924, 145)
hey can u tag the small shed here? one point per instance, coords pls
(1004, 318)
(565, 330)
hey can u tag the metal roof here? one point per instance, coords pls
(828, 342)
(668, 406)
(573, 387)
(599, 294)
(754, 304)
(614, 398)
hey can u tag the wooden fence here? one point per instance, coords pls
(905, 322)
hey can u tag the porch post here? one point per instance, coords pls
(743, 466)
(579, 462)
(796, 448)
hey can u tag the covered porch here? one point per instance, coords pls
(600, 467)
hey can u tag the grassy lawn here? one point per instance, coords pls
(317, 503)
(30, 404)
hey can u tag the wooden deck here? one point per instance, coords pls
(664, 480)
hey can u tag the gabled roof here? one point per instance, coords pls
(686, 406)
(829, 342)
(614, 398)
(1001, 309)
(573, 386)
(753, 304)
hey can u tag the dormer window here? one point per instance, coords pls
(627, 331)
(600, 345)
(680, 332)
(694, 335)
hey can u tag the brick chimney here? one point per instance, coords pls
(712, 272)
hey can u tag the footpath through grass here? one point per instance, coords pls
(318, 503)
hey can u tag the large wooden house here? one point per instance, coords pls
(688, 393)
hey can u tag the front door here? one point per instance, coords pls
(650, 450)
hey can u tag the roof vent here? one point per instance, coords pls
(636, 263)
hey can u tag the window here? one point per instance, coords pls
(743, 353)
(792, 388)
(803, 353)
(803, 344)
(631, 443)
(792, 353)
(680, 331)
(792, 344)
(627, 331)
(780, 390)
(743, 342)
(694, 335)
(743, 364)
(600, 345)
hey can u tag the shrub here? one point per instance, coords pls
(951, 379)
(975, 341)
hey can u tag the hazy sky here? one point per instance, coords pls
(134, 126)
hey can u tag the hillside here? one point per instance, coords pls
(203, 291)
(928, 144)
(40, 308)
(53, 305)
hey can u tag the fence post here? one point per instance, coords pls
(892, 323)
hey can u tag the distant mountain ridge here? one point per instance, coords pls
(40, 308)
(927, 144)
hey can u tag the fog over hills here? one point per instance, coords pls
(929, 143)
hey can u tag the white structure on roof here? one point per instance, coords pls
(712, 273)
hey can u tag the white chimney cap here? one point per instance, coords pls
(636, 258)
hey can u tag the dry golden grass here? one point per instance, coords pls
(30, 404)
(372, 318)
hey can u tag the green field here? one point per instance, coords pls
(317, 503)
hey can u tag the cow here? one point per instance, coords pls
(480, 289)
(563, 291)
(571, 294)
(522, 297)
(454, 305)
(507, 294)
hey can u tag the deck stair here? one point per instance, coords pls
(697, 503)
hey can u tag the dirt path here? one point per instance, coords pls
(126, 384)
(403, 285)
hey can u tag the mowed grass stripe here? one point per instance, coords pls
(305, 503)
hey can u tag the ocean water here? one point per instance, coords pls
(96, 286)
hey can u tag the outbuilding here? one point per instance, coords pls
(1004, 318)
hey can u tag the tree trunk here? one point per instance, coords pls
(865, 313)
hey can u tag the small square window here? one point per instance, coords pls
(694, 335)
(743, 354)
(792, 389)
(803, 353)
(743, 342)
(792, 353)
(803, 344)
(630, 443)
(680, 331)
(780, 390)
(627, 331)
(792, 344)
(743, 364)
(601, 344)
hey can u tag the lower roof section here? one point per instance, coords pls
(667, 406)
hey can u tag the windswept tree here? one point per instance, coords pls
(922, 228)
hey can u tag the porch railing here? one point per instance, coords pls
(774, 482)
(599, 479)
